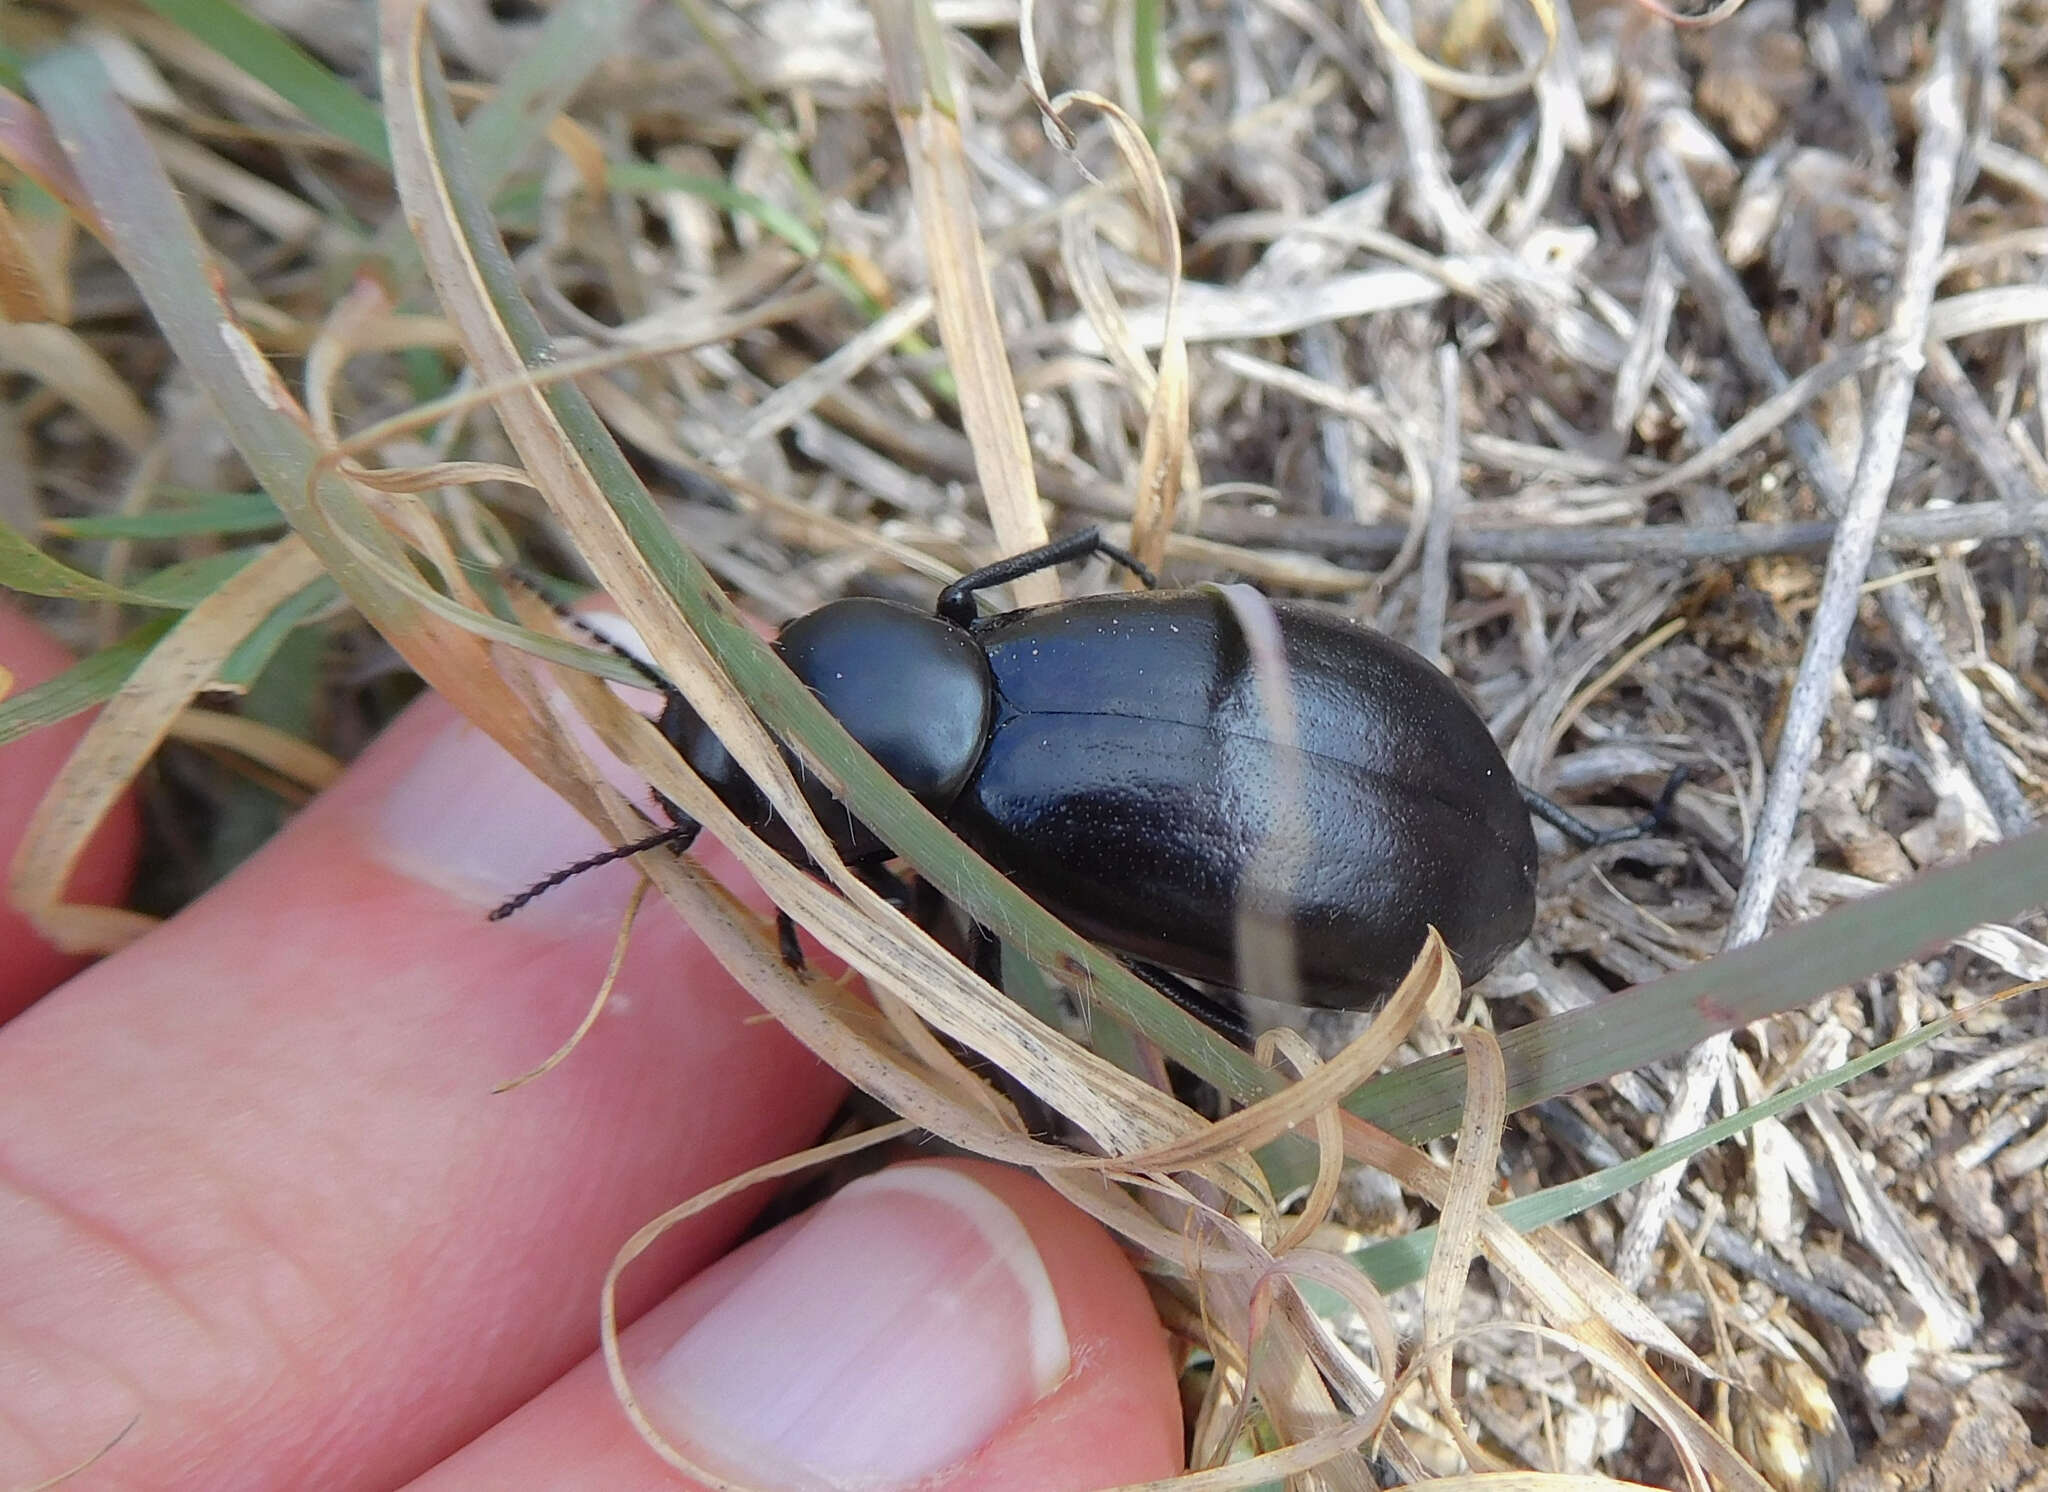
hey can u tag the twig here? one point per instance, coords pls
(1321, 354)
(1632, 381)
(1840, 39)
(1878, 1225)
(1916, 635)
(1565, 1123)
(1434, 599)
(1436, 196)
(1690, 235)
(1849, 560)
(1956, 397)
(1676, 543)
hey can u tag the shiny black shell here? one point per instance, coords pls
(913, 689)
(1129, 776)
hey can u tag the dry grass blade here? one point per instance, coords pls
(60, 358)
(1531, 1264)
(298, 762)
(555, 466)
(126, 735)
(598, 1001)
(650, 1233)
(1471, 1183)
(1329, 1131)
(69, 1473)
(35, 284)
(561, 469)
(33, 150)
(921, 93)
(1457, 81)
(1299, 1102)
(1166, 463)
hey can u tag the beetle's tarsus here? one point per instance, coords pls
(681, 834)
(1573, 827)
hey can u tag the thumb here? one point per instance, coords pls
(953, 1326)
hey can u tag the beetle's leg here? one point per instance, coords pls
(927, 903)
(890, 888)
(1576, 828)
(680, 834)
(785, 937)
(1210, 1011)
(956, 601)
(871, 875)
(985, 953)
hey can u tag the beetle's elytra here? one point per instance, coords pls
(1129, 779)
(1112, 756)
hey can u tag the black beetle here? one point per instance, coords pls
(1112, 757)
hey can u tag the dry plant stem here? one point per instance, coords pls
(1473, 1168)
(1166, 464)
(1578, 1298)
(1321, 354)
(1939, 108)
(1956, 397)
(1605, 544)
(1690, 234)
(1436, 197)
(1723, 1243)
(915, 65)
(1881, 1229)
(1435, 569)
(1840, 39)
(1638, 371)
(125, 735)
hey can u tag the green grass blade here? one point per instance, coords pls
(25, 568)
(86, 683)
(245, 666)
(795, 713)
(1145, 61)
(180, 514)
(282, 65)
(1789, 969)
(574, 40)
(1395, 1262)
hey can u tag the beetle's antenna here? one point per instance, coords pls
(1573, 827)
(956, 601)
(654, 676)
(681, 834)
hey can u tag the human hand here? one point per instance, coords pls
(258, 1199)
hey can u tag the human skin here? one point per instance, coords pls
(259, 1205)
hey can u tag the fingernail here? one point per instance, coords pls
(467, 817)
(908, 1321)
